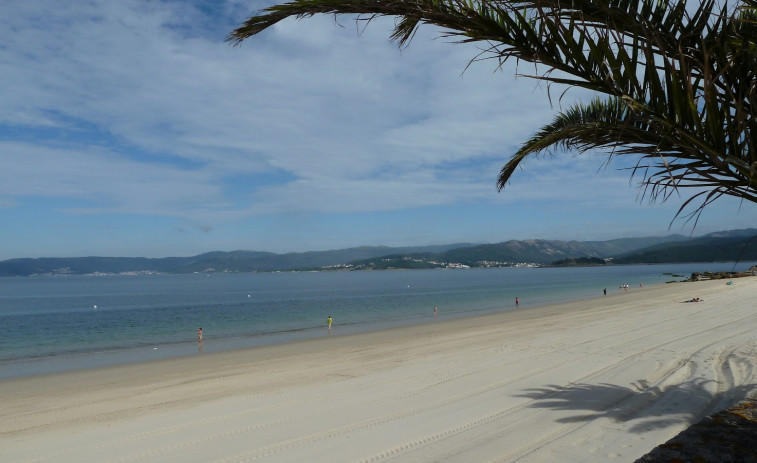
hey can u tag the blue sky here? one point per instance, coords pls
(131, 128)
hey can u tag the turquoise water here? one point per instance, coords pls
(54, 324)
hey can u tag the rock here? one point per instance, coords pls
(729, 436)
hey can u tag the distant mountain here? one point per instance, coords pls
(86, 265)
(548, 251)
(720, 246)
(234, 261)
(252, 261)
(580, 262)
(740, 233)
(624, 245)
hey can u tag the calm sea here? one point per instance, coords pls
(54, 324)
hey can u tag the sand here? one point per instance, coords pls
(606, 379)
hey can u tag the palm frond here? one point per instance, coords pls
(668, 159)
(681, 86)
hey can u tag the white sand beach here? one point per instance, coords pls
(601, 380)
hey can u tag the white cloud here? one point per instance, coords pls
(100, 181)
(320, 102)
(139, 107)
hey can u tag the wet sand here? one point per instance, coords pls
(597, 380)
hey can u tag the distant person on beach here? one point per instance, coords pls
(329, 321)
(436, 311)
(517, 302)
(199, 335)
(605, 291)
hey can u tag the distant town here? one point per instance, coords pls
(726, 246)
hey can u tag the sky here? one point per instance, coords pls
(132, 128)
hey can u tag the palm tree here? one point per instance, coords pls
(677, 87)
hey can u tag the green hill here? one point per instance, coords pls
(710, 248)
(720, 246)
(233, 261)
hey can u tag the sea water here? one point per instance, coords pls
(61, 323)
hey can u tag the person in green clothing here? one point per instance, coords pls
(329, 321)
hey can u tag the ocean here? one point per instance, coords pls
(62, 323)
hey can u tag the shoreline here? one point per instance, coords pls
(591, 380)
(86, 360)
(135, 343)
(96, 360)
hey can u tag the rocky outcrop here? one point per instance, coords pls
(727, 436)
(697, 276)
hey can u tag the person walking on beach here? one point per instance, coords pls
(516, 302)
(199, 335)
(605, 291)
(436, 312)
(329, 321)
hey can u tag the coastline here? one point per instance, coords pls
(592, 380)
(138, 319)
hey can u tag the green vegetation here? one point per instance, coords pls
(579, 262)
(723, 246)
(698, 250)
(395, 263)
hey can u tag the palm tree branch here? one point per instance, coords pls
(667, 163)
(682, 85)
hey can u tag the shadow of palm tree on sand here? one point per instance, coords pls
(654, 407)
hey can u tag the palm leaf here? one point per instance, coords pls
(681, 87)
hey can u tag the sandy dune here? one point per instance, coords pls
(600, 380)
